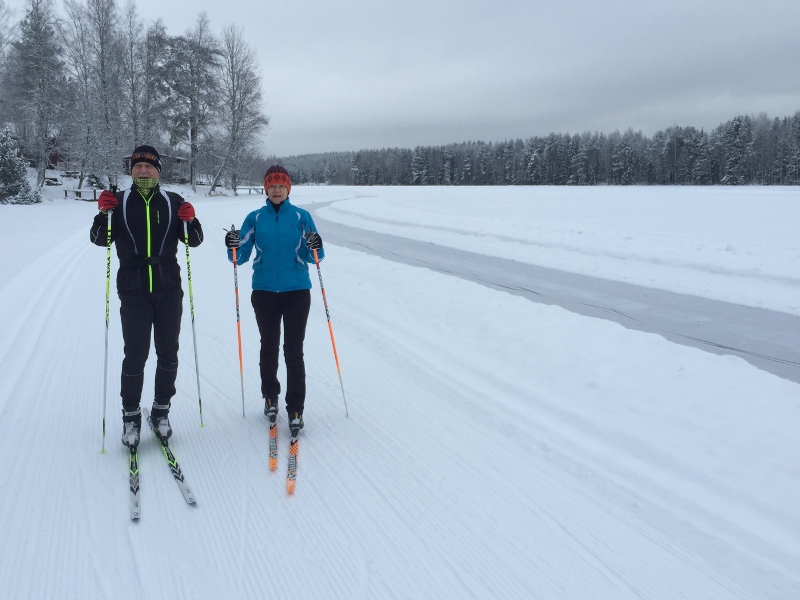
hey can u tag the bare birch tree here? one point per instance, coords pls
(192, 75)
(5, 33)
(240, 116)
(105, 48)
(133, 64)
(80, 143)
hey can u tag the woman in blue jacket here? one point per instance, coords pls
(284, 239)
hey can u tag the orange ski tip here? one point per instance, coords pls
(273, 464)
(290, 487)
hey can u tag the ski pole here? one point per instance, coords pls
(108, 298)
(191, 308)
(330, 328)
(238, 321)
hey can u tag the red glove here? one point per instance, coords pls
(107, 201)
(186, 212)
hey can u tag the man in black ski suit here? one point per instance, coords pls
(146, 224)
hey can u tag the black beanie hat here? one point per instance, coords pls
(146, 154)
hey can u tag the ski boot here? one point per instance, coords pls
(271, 408)
(295, 422)
(159, 420)
(131, 427)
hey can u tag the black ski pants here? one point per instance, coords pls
(293, 308)
(160, 312)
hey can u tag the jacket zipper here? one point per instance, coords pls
(149, 238)
(277, 241)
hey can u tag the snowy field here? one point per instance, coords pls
(737, 244)
(496, 448)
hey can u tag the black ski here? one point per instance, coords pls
(134, 484)
(172, 462)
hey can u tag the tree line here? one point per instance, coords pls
(88, 86)
(744, 150)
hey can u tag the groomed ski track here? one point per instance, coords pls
(448, 480)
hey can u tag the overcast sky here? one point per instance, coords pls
(352, 74)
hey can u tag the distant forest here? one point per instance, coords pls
(745, 150)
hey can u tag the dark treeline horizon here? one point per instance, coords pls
(742, 151)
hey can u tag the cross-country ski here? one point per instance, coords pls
(172, 462)
(271, 413)
(133, 483)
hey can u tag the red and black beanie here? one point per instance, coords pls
(276, 175)
(146, 154)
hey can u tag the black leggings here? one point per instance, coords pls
(293, 308)
(141, 313)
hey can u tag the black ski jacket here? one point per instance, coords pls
(146, 235)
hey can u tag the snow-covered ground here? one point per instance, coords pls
(496, 448)
(737, 244)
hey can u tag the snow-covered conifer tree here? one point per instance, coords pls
(420, 166)
(14, 185)
(35, 84)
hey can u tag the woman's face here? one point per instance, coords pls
(277, 193)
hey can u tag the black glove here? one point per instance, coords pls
(232, 238)
(313, 241)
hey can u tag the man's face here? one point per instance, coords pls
(143, 169)
(277, 193)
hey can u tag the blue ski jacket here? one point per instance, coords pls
(281, 260)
